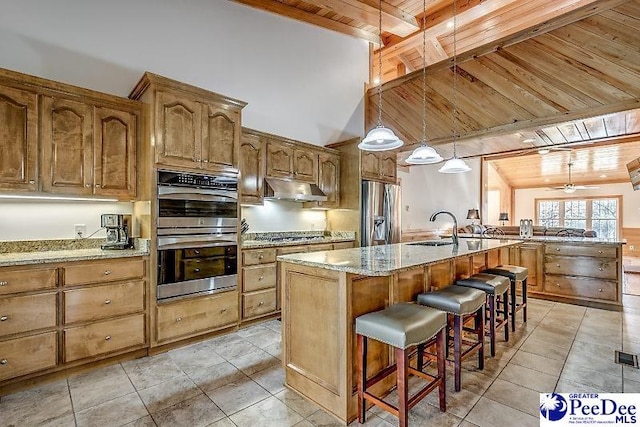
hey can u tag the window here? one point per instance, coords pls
(599, 214)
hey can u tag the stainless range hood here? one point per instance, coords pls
(298, 191)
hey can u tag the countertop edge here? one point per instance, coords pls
(53, 257)
(258, 244)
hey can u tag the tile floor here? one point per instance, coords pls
(237, 380)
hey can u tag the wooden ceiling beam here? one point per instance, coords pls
(310, 18)
(404, 22)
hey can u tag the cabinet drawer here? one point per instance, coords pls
(103, 337)
(581, 287)
(322, 247)
(285, 250)
(194, 315)
(100, 302)
(258, 277)
(12, 281)
(27, 313)
(22, 356)
(101, 271)
(343, 245)
(571, 250)
(259, 303)
(581, 266)
(258, 256)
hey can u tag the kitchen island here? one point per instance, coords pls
(323, 292)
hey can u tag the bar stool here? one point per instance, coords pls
(515, 274)
(403, 326)
(461, 303)
(494, 287)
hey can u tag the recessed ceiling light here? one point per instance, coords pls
(544, 151)
(450, 24)
(376, 81)
(546, 180)
(529, 140)
(603, 176)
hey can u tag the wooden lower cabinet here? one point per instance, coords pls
(259, 303)
(583, 286)
(27, 313)
(103, 337)
(343, 245)
(103, 271)
(23, 279)
(28, 354)
(259, 277)
(100, 302)
(182, 319)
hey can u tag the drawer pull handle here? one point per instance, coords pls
(4, 318)
(558, 284)
(98, 185)
(4, 283)
(600, 252)
(558, 249)
(600, 268)
(88, 185)
(197, 270)
(4, 362)
(600, 290)
(223, 310)
(260, 303)
(261, 277)
(260, 256)
(107, 302)
(197, 252)
(178, 319)
(557, 265)
(107, 272)
(107, 338)
(32, 181)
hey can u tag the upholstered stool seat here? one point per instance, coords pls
(494, 287)
(403, 326)
(461, 303)
(516, 274)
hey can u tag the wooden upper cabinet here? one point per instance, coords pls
(220, 137)
(379, 166)
(370, 165)
(251, 168)
(18, 139)
(67, 146)
(305, 165)
(279, 159)
(388, 167)
(179, 131)
(329, 179)
(114, 160)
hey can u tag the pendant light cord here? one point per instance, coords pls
(424, 72)
(454, 121)
(380, 66)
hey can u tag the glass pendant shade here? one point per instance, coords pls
(454, 165)
(424, 155)
(380, 138)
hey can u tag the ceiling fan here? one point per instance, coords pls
(570, 187)
(540, 149)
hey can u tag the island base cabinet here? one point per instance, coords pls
(182, 319)
(581, 286)
(103, 337)
(29, 354)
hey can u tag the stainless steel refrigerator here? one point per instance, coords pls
(380, 221)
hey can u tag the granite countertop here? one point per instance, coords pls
(384, 260)
(253, 244)
(551, 239)
(53, 251)
(274, 239)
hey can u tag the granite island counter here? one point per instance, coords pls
(323, 292)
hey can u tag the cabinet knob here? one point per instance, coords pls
(108, 272)
(98, 186)
(4, 283)
(557, 265)
(558, 249)
(600, 290)
(260, 256)
(558, 284)
(205, 161)
(197, 252)
(600, 268)
(223, 310)
(197, 270)
(88, 185)
(4, 362)
(32, 181)
(178, 319)
(260, 303)
(107, 338)
(600, 252)
(107, 301)
(261, 277)
(4, 318)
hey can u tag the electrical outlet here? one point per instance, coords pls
(79, 230)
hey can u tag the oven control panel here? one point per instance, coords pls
(224, 182)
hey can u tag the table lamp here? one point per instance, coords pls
(504, 216)
(473, 214)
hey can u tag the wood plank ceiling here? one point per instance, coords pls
(588, 68)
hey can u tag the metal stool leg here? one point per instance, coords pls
(524, 300)
(513, 306)
(480, 332)
(505, 313)
(492, 323)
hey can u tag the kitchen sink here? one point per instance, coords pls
(432, 243)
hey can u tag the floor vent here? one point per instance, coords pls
(627, 359)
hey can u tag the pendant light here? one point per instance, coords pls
(424, 155)
(454, 165)
(380, 138)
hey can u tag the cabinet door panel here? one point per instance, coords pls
(28, 354)
(258, 303)
(115, 153)
(329, 179)
(388, 168)
(27, 313)
(220, 138)
(305, 165)
(179, 132)
(251, 169)
(18, 139)
(370, 165)
(279, 160)
(67, 146)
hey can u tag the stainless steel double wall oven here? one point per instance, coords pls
(197, 233)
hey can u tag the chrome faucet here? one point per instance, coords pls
(455, 224)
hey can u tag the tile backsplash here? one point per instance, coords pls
(280, 215)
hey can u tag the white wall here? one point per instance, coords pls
(280, 215)
(300, 81)
(525, 201)
(425, 191)
(24, 220)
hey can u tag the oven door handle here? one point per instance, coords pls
(194, 241)
(182, 193)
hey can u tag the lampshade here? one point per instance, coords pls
(504, 216)
(473, 214)
(454, 165)
(380, 138)
(569, 188)
(424, 155)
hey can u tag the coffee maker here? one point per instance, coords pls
(118, 231)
